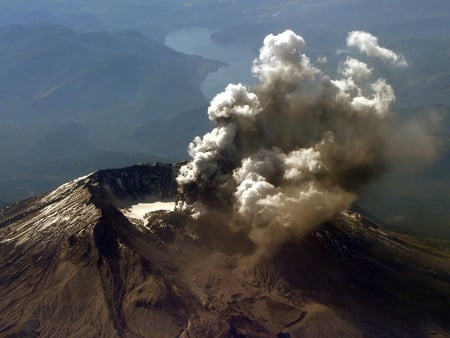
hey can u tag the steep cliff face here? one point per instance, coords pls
(98, 257)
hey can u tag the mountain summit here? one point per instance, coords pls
(106, 255)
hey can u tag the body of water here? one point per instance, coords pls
(238, 58)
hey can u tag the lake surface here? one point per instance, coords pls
(238, 57)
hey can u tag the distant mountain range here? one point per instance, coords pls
(72, 102)
(51, 73)
(82, 22)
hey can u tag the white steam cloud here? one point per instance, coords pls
(368, 44)
(287, 155)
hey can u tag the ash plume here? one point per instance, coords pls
(368, 44)
(289, 154)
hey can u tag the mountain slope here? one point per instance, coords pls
(80, 261)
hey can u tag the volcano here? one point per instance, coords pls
(106, 255)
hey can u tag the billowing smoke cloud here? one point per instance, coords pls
(368, 44)
(287, 155)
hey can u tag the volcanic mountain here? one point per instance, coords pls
(106, 256)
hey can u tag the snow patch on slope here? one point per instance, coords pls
(140, 211)
(67, 208)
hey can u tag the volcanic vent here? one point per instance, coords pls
(293, 151)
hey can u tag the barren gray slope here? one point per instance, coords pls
(73, 265)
